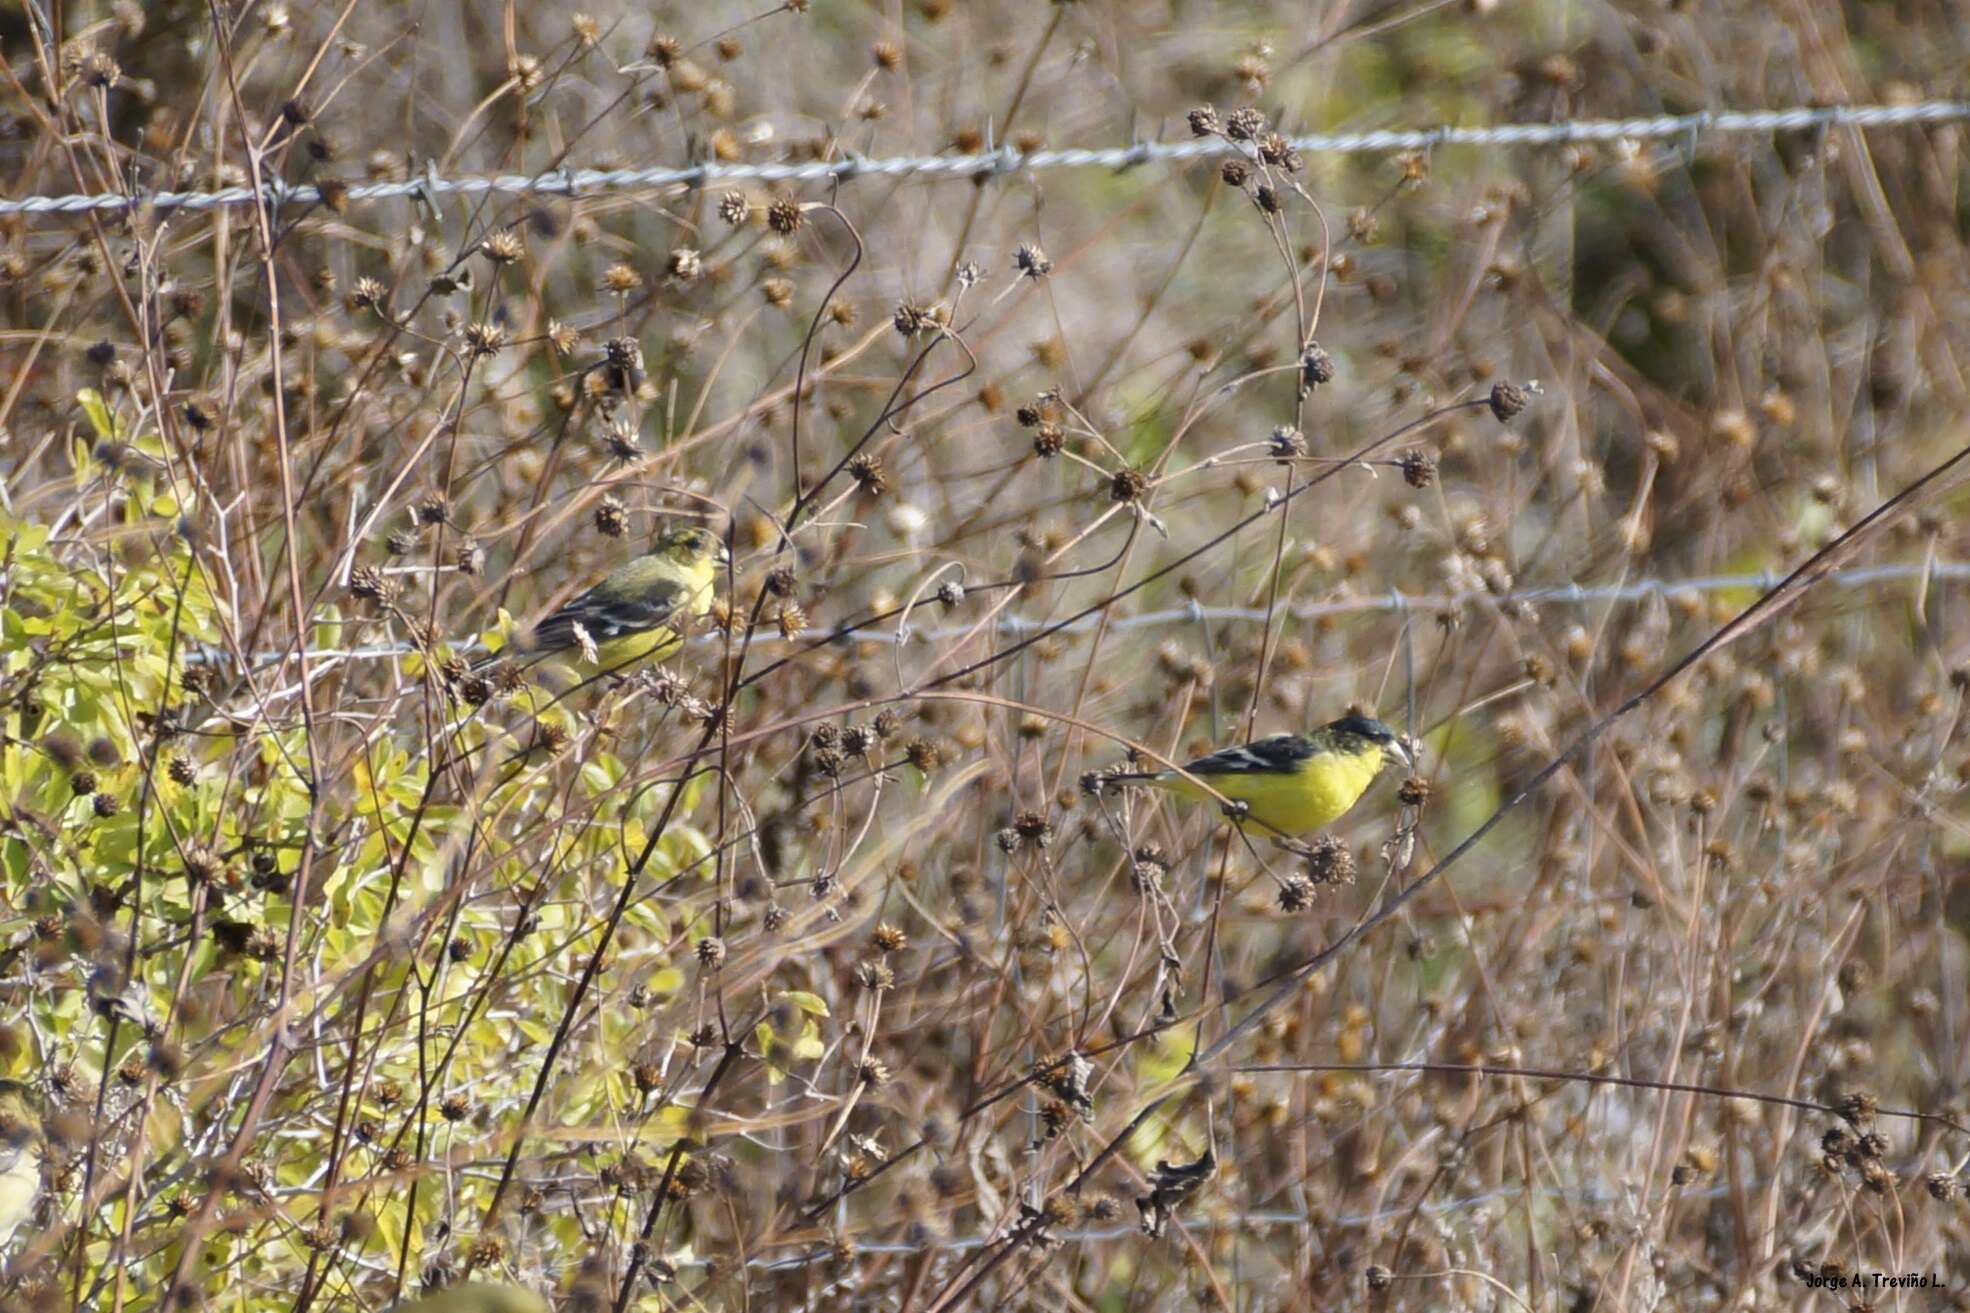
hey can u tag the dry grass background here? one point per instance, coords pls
(508, 1049)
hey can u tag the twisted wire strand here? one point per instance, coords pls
(576, 182)
(1393, 600)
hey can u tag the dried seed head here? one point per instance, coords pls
(611, 517)
(454, 1108)
(1235, 172)
(1204, 121)
(1048, 441)
(911, 319)
(1329, 861)
(791, 619)
(1287, 443)
(550, 738)
(483, 339)
(873, 1072)
(201, 864)
(621, 441)
(711, 951)
(1316, 365)
(866, 469)
(368, 294)
(1127, 485)
(1507, 400)
(1031, 261)
(1413, 791)
(620, 279)
(950, 593)
(684, 264)
(372, 585)
(1856, 1109)
(888, 939)
(1266, 199)
(663, 50)
(503, 247)
(1056, 1116)
(1296, 894)
(1275, 149)
(783, 216)
(181, 770)
(735, 208)
(1418, 468)
(98, 70)
(1031, 827)
(874, 975)
(1244, 124)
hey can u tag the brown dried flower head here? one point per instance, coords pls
(1507, 400)
(784, 216)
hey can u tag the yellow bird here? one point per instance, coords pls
(1291, 783)
(477, 1297)
(20, 1157)
(638, 613)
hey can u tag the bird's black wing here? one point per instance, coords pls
(603, 619)
(1277, 754)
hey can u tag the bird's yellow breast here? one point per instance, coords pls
(1324, 787)
(650, 645)
(661, 643)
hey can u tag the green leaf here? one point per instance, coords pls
(812, 1004)
(97, 410)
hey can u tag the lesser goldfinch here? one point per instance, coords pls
(477, 1297)
(638, 612)
(20, 1157)
(1290, 783)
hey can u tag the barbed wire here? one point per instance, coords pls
(1258, 1220)
(576, 182)
(1393, 600)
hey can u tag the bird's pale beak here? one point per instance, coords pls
(1399, 754)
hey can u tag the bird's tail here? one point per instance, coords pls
(1123, 777)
